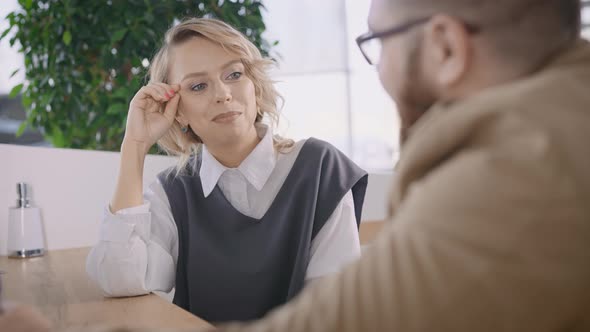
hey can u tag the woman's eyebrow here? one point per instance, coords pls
(204, 73)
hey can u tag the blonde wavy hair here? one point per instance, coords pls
(184, 145)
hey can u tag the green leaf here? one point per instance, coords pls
(116, 109)
(121, 93)
(21, 128)
(149, 18)
(15, 91)
(27, 101)
(67, 37)
(5, 32)
(47, 98)
(28, 4)
(57, 136)
(14, 73)
(118, 35)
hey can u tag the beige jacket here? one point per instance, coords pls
(491, 230)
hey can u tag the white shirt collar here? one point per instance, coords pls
(256, 168)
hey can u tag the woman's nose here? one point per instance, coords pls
(223, 94)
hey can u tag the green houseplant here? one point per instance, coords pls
(84, 60)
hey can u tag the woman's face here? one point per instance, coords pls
(217, 99)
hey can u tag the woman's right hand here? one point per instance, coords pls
(146, 122)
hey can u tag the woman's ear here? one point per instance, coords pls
(180, 118)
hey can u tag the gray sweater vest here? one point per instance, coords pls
(234, 267)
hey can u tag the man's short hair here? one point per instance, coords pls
(521, 30)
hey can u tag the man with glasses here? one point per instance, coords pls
(490, 225)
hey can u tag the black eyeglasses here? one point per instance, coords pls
(370, 42)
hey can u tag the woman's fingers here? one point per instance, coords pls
(168, 90)
(154, 92)
(151, 112)
(161, 93)
(163, 89)
(172, 108)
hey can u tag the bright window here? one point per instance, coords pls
(330, 91)
(11, 59)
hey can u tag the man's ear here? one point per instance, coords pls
(449, 46)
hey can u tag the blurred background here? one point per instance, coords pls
(330, 91)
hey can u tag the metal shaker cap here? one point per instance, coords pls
(23, 192)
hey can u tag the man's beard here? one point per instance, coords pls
(416, 95)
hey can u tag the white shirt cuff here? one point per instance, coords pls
(119, 227)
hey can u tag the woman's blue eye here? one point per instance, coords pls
(198, 87)
(235, 75)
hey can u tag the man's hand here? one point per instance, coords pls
(23, 319)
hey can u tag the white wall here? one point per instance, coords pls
(72, 188)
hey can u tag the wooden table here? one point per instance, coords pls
(57, 285)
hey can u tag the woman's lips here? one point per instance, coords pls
(226, 117)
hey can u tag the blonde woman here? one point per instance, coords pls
(246, 217)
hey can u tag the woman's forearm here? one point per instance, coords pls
(129, 188)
